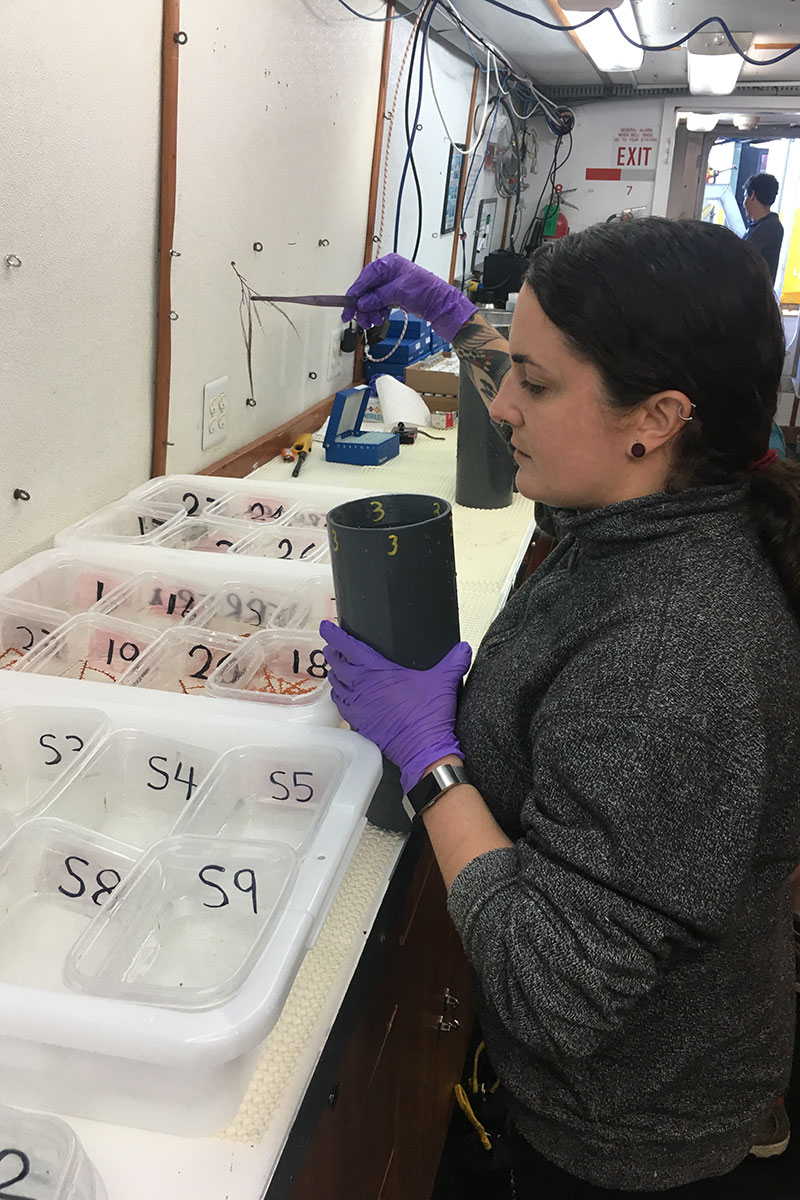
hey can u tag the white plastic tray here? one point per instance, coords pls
(157, 1067)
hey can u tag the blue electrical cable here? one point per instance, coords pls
(382, 20)
(410, 148)
(754, 62)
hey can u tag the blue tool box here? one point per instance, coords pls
(346, 442)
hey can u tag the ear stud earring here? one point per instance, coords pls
(638, 450)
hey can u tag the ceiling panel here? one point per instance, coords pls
(551, 57)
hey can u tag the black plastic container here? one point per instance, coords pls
(485, 467)
(394, 577)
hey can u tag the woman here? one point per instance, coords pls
(617, 864)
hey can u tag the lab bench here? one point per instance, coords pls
(352, 1089)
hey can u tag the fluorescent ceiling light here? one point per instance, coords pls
(701, 122)
(714, 66)
(603, 42)
(746, 120)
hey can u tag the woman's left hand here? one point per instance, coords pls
(409, 714)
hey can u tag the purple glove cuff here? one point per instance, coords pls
(454, 317)
(414, 769)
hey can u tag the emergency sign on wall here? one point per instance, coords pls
(633, 155)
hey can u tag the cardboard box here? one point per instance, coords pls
(439, 389)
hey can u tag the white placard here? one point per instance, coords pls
(634, 146)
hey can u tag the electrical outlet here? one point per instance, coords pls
(336, 357)
(215, 412)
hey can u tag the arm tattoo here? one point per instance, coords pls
(484, 357)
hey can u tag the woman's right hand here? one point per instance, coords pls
(394, 282)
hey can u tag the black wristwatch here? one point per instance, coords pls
(433, 785)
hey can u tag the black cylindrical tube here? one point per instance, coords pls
(485, 469)
(394, 578)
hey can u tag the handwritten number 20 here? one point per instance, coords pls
(25, 1163)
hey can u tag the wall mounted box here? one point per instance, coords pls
(347, 442)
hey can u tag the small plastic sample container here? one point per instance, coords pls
(194, 497)
(181, 660)
(275, 667)
(202, 533)
(186, 927)
(131, 524)
(134, 787)
(67, 583)
(311, 603)
(307, 516)
(42, 1159)
(38, 748)
(92, 646)
(154, 599)
(249, 506)
(257, 793)
(240, 609)
(286, 542)
(23, 627)
(54, 879)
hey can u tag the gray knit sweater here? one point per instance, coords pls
(633, 722)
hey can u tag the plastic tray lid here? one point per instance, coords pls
(306, 607)
(347, 414)
(42, 1159)
(181, 660)
(186, 927)
(91, 646)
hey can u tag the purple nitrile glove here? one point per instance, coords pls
(394, 282)
(409, 714)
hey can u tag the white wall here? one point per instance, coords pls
(277, 107)
(79, 93)
(453, 77)
(596, 127)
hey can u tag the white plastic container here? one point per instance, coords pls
(23, 627)
(258, 794)
(194, 492)
(181, 660)
(132, 524)
(308, 516)
(304, 609)
(242, 609)
(158, 599)
(134, 787)
(186, 927)
(92, 647)
(39, 749)
(42, 1159)
(202, 533)
(61, 581)
(54, 879)
(261, 506)
(180, 1069)
(277, 667)
(285, 542)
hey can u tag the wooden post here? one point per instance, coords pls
(169, 140)
(460, 202)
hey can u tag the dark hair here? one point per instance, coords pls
(764, 186)
(656, 304)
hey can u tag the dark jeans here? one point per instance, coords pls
(537, 1179)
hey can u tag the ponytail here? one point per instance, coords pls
(775, 504)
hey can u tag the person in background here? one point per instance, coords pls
(618, 818)
(765, 232)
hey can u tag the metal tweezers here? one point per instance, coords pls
(319, 301)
